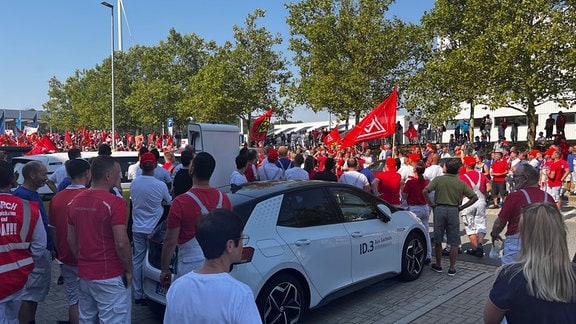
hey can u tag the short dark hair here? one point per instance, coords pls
(74, 153)
(104, 149)
(100, 165)
(453, 165)
(186, 157)
(76, 167)
(6, 174)
(241, 161)
(156, 153)
(204, 165)
(214, 230)
(352, 163)
(298, 160)
(329, 164)
(30, 168)
(252, 155)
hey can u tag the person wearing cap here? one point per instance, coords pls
(533, 159)
(474, 217)
(79, 171)
(447, 204)
(556, 174)
(498, 172)
(270, 170)
(387, 184)
(149, 196)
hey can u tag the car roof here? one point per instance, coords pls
(261, 189)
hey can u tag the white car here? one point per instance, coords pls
(310, 242)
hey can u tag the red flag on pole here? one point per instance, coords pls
(411, 133)
(333, 136)
(377, 124)
(68, 138)
(260, 127)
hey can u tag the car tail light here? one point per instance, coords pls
(247, 254)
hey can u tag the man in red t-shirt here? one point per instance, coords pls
(79, 171)
(475, 216)
(556, 174)
(97, 237)
(498, 171)
(527, 192)
(185, 211)
(387, 184)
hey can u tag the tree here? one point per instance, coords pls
(349, 55)
(241, 78)
(503, 53)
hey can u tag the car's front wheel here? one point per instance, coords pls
(413, 254)
(282, 300)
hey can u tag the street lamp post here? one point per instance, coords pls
(106, 4)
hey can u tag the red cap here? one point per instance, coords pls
(413, 156)
(147, 158)
(469, 160)
(273, 155)
(550, 151)
(533, 153)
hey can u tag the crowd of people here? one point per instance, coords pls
(101, 255)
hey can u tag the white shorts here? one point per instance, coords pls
(38, 284)
(474, 217)
(71, 283)
(554, 192)
(105, 301)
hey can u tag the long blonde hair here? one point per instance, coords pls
(544, 255)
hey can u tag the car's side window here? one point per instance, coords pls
(354, 206)
(306, 208)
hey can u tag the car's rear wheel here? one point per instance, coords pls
(413, 254)
(282, 300)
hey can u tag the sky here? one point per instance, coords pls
(41, 39)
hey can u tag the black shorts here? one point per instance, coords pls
(499, 188)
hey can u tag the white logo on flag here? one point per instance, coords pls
(373, 128)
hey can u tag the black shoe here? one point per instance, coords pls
(60, 280)
(427, 261)
(141, 301)
(470, 252)
(451, 273)
(436, 268)
(479, 252)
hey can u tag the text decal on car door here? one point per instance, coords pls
(370, 246)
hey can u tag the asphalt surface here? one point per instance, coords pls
(433, 298)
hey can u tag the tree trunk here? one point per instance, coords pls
(531, 116)
(471, 129)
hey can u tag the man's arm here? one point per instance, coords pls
(375, 186)
(124, 251)
(52, 186)
(167, 252)
(73, 240)
(426, 195)
(497, 228)
(493, 314)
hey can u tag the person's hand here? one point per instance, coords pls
(165, 278)
(128, 276)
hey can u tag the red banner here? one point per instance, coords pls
(332, 137)
(411, 133)
(260, 127)
(68, 139)
(381, 122)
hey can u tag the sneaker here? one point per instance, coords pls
(436, 268)
(452, 273)
(479, 252)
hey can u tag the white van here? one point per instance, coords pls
(223, 143)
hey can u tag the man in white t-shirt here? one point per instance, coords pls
(148, 195)
(237, 178)
(296, 172)
(353, 177)
(210, 294)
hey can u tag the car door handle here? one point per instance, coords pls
(356, 234)
(302, 242)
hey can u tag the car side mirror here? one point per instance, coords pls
(386, 213)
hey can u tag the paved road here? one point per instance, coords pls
(433, 298)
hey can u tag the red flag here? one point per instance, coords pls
(170, 141)
(43, 145)
(260, 127)
(68, 138)
(159, 142)
(411, 133)
(381, 122)
(151, 138)
(333, 136)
